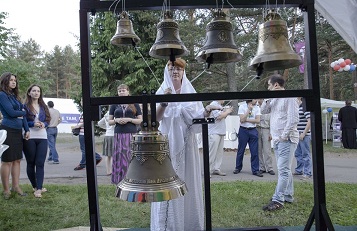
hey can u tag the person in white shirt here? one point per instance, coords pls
(284, 117)
(264, 143)
(216, 134)
(108, 142)
(249, 114)
(52, 132)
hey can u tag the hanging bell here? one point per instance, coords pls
(274, 50)
(124, 35)
(219, 46)
(168, 44)
(150, 176)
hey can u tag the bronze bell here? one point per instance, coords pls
(219, 46)
(150, 176)
(168, 44)
(274, 50)
(124, 35)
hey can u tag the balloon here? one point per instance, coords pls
(324, 111)
(342, 64)
(347, 68)
(336, 67)
(340, 60)
(333, 64)
(348, 61)
(329, 109)
(341, 69)
(352, 68)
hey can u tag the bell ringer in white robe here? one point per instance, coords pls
(184, 213)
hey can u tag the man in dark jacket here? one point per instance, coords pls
(348, 117)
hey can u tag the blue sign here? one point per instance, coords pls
(70, 118)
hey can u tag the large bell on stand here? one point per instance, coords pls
(150, 176)
(219, 46)
(274, 50)
(124, 35)
(168, 44)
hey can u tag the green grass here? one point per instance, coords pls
(329, 148)
(234, 204)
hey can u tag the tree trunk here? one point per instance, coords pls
(232, 85)
(332, 96)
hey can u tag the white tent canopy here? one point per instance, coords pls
(341, 15)
(325, 103)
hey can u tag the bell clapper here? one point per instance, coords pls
(259, 70)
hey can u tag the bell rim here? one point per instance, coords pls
(278, 56)
(154, 48)
(167, 191)
(200, 56)
(268, 65)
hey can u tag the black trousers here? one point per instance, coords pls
(349, 138)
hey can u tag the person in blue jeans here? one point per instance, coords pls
(82, 163)
(302, 153)
(284, 117)
(52, 132)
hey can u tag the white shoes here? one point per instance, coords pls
(219, 173)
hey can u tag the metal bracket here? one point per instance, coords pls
(204, 121)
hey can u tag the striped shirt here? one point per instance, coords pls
(303, 117)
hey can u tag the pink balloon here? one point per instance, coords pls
(336, 67)
(342, 64)
(348, 61)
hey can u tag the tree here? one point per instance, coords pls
(7, 37)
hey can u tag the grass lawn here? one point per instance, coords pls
(234, 204)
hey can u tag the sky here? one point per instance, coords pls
(48, 22)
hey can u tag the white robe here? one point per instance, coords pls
(185, 213)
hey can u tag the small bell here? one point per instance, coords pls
(124, 35)
(168, 44)
(274, 50)
(219, 46)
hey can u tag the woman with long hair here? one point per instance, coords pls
(13, 122)
(35, 148)
(125, 117)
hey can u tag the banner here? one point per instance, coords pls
(70, 118)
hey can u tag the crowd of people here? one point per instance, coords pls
(280, 124)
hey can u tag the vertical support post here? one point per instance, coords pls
(354, 82)
(206, 171)
(92, 188)
(319, 211)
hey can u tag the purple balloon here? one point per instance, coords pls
(329, 109)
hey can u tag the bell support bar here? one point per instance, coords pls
(92, 6)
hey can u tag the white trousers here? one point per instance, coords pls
(216, 143)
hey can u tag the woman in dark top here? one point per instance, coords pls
(125, 117)
(13, 122)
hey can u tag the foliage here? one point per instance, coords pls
(234, 204)
(59, 70)
(113, 65)
(62, 68)
(7, 37)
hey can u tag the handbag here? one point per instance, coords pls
(75, 131)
